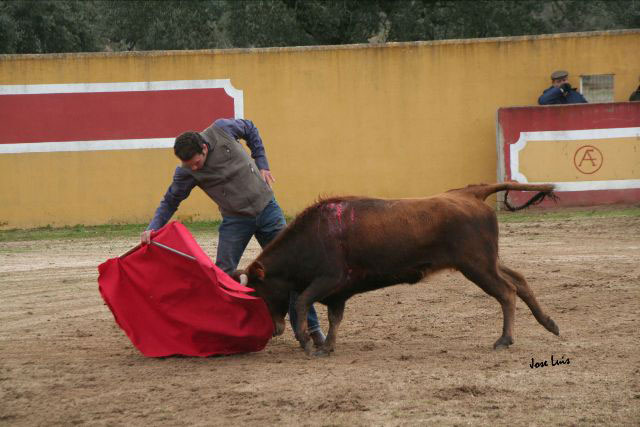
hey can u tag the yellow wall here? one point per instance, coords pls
(391, 120)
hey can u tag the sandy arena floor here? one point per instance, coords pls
(406, 355)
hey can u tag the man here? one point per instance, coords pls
(560, 91)
(215, 161)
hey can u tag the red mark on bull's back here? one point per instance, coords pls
(337, 209)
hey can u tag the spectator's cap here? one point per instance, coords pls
(560, 74)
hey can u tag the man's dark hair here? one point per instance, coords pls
(188, 145)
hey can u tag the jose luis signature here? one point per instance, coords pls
(545, 363)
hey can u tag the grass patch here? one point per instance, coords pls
(92, 231)
(12, 250)
(134, 230)
(536, 215)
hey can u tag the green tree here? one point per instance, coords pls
(261, 23)
(47, 26)
(146, 25)
(623, 14)
(564, 16)
(44, 26)
(338, 21)
(433, 20)
(8, 30)
(411, 20)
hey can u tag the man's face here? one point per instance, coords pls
(197, 161)
(559, 82)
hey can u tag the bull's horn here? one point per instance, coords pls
(244, 279)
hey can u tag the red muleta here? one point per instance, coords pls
(170, 299)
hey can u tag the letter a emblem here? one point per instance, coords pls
(587, 159)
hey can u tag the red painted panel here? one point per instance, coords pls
(514, 120)
(586, 198)
(109, 115)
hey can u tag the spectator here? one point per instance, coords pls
(560, 91)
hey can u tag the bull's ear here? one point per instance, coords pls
(256, 269)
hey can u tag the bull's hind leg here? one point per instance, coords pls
(335, 311)
(495, 285)
(526, 294)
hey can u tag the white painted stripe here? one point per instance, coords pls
(572, 135)
(225, 84)
(118, 144)
(622, 184)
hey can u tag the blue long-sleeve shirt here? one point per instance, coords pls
(183, 182)
(553, 95)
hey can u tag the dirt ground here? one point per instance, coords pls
(406, 355)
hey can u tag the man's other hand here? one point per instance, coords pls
(266, 175)
(145, 237)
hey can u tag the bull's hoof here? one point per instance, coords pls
(308, 348)
(322, 352)
(278, 328)
(318, 338)
(503, 342)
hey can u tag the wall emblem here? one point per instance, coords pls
(588, 159)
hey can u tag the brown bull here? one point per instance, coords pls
(343, 246)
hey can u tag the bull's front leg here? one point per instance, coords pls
(335, 311)
(302, 330)
(317, 290)
(278, 325)
(302, 327)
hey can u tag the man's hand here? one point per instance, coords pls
(266, 175)
(145, 237)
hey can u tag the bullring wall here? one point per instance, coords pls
(389, 120)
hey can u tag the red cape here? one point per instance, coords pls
(170, 304)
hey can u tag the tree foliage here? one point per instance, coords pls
(263, 23)
(164, 25)
(44, 26)
(48, 26)
(433, 20)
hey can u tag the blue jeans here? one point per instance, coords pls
(234, 235)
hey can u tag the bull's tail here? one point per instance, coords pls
(538, 198)
(483, 191)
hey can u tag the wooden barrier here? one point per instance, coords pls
(590, 151)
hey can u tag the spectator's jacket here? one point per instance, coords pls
(229, 176)
(554, 95)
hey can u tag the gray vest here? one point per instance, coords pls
(230, 176)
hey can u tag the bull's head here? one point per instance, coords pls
(274, 294)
